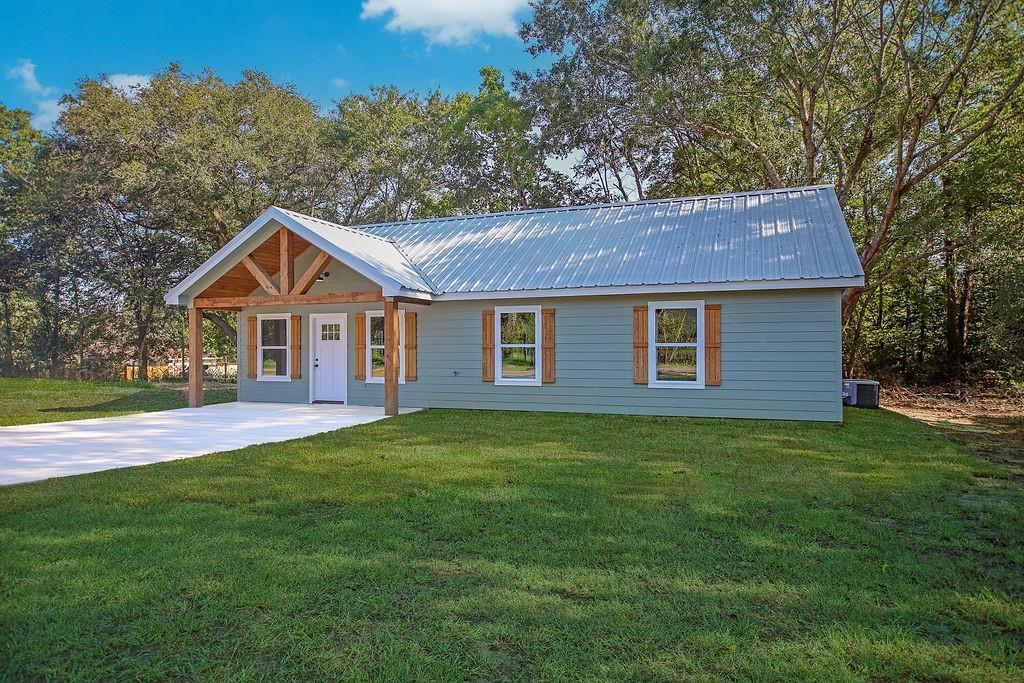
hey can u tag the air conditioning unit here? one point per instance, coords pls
(860, 393)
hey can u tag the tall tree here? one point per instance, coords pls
(874, 96)
(19, 144)
(494, 164)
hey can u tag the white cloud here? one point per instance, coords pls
(340, 82)
(47, 109)
(25, 71)
(47, 113)
(126, 83)
(447, 21)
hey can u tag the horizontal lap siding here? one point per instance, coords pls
(780, 359)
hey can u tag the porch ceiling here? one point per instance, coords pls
(238, 281)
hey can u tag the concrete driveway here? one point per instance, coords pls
(57, 449)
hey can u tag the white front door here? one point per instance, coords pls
(329, 368)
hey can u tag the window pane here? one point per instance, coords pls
(330, 331)
(518, 328)
(677, 364)
(676, 325)
(275, 362)
(519, 363)
(376, 363)
(274, 332)
(376, 330)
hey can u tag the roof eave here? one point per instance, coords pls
(709, 287)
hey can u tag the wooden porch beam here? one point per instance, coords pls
(391, 356)
(412, 300)
(312, 273)
(195, 357)
(262, 276)
(287, 261)
(223, 302)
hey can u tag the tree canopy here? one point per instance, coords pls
(912, 109)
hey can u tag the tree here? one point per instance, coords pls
(386, 156)
(18, 149)
(876, 96)
(493, 163)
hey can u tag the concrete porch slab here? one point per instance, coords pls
(57, 449)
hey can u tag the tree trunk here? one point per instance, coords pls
(55, 331)
(851, 362)
(8, 369)
(143, 327)
(223, 324)
(952, 370)
(966, 301)
(143, 345)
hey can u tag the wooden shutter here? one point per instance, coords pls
(640, 345)
(296, 346)
(410, 346)
(713, 345)
(360, 346)
(250, 347)
(547, 344)
(487, 347)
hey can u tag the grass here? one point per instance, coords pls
(27, 401)
(458, 545)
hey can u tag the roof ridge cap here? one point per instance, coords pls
(389, 240)
(583, 207)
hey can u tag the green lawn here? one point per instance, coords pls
(448, 545)
(26, 401)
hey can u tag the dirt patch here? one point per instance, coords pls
(990, 423)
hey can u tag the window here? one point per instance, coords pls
(330, 332)
(676, 333)
(375, 347)
(517, 357)
(272, 350)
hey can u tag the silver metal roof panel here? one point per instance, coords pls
(771, 235)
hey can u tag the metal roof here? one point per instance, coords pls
(795, 234)
(794, 237)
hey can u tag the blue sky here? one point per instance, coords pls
(327, 49)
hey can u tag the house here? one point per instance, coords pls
(725, 305)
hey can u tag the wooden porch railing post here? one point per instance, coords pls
(391, 357)
(195, 357)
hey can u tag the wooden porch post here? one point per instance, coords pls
(195, 357)
(287, 261)
(391, 357)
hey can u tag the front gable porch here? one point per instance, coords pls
(278, 260)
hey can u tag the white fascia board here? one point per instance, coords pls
(761, 285)
(426, 297)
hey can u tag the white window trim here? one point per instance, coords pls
(652, 344)
(370, 379)
(498, 379)
(287, 376)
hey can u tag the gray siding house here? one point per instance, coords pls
(725, 306)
